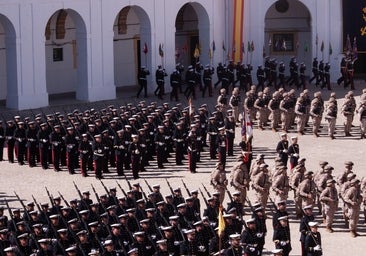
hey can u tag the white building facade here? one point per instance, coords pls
(90, 48)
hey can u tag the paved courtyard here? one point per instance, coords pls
(32, 181)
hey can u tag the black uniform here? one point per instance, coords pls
(141, 76)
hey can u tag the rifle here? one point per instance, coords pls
(204, 198)
(273, 203)
(170, 187)
(98, 198)
(15, 228)
(128, 182)
(50, 197)
(230, 196)
(108, 193)
(63, 199)
(148, 185)
(185, 186)
(81, 196)
(23, 205)
(208, 193)
(143, 193)
(249, 203)
(120, 187)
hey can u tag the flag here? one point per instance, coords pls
(196, 53)
(252, 46)
(248, 126)
(306, 47)
(213, 46)
(161, 52)
(221, 222)
(249, 48)
(322, 46)
(223, 46)
(145, 49)
(354, 49)
(330, 49)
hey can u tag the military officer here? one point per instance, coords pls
(219, 181)
(329, 197)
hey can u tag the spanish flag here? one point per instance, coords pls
(221, 222)
(196, 53)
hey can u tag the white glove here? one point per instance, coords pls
(296, 155)
(283, 243)
(252, 249)
(317, 248)
(259, 235)
(285, 151)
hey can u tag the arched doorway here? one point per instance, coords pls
(66, 55)
(8, 63)
(287, 32)
(132, 45)
(192, 31)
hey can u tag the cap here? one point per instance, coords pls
(251, 220)
(139, 233)
(190, 231)
(313, 224)
(283, 218)
(235, 236)
(348, 163)
(108, 242)
(307, 207)
(82, 232)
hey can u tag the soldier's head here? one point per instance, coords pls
(281, 205)
(23, 239)
(348, 165)
(235, 240)
(251, 224)
(283, 221)
(313, 226)
(191, 234)
(308, 210)
(108, 245)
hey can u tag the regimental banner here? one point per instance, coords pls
(354, 23)
(237, 53)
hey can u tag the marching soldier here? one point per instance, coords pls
(282, 236)
(362, 112)
(260, 77)
(219, 181)
(285, 108)
(348, 109)
(43, 137)
(207, 80)
(282, 149)
(249, 238)
(329, 197)
(331, 116)
(315, 72)
(350, 74)
(240, 179)
(313, 242)
(321, 74)
(141, 76)
(344, 74)
(353, 200)
(316, 111)
(261, 108)
(261, 185)
(301, 114)
(219, 72)
(56, 142)
(221, 142)
(303, 76)
(281, 75)
(294, 152)
(32, 142)
(307, 189)
(175, 83)
(274, 107)
(98, 156)
(135, 151)
(86, 155)
(120, 152)
(304, 227)
(280, 185)
(327, 76)
(71, 150)
(20, 142)
(192, 149)
(160, 75)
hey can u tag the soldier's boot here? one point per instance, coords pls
(353, 233)
(329, 229)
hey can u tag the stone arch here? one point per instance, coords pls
(132, 29)
(8, 60)
(294, 20)
(66, 55)
(192, 28)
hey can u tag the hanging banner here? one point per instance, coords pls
(237, 54)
